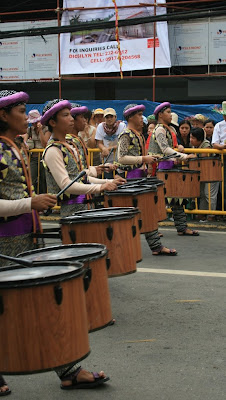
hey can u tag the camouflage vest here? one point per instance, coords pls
(13, 185)
(154, 148)
(71, 167)
(135, 148)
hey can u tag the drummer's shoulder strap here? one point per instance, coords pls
(60, 146)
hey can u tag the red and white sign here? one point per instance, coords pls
(96, 51)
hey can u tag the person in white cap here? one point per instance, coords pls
(36, 138)
(219, 141)
(107, 134)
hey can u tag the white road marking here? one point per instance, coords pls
(180, 272)
(200, 230)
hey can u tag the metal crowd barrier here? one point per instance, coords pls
(195, 210)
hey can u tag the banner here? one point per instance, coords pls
(96, 51)
(201, 42)
(217, 49)
(189, 43)
(32, 57)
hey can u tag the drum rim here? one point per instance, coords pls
(87, 217)
(204, 158)
(41, 281)
(103, 251)
(190, 171)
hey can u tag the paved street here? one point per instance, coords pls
(169, 340)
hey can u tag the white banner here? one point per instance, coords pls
(189, 43)
(217, 42)
(96, 51)
(28, 57)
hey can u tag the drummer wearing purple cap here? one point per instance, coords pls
(17, 199)
(132, 162)
(163, 142)
(62, 162)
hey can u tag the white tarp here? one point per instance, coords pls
(31, 57)
(96, 51)
(198, 42)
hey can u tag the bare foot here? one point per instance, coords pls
(84, 376)
(4, 388)
(164, 251)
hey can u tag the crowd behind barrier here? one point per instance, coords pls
(195, 209)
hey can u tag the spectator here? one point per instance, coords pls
(219, 141)
(145, 127)
(198, 141)
(151, 128)
(37, 138)
(98, 116)
(88, 135)
(174, 122)
(183, 136)
(198, 121)
(209, 125)
(107, 135)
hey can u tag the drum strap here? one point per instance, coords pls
(27, 174)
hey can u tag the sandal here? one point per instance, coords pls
(165, 253)
(160, 234)
(3, 383)
(185, 233)
(83, 385)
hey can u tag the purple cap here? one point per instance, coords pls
(79, 110)
(8, 97)
(133, 108)
(52, 108)
(159, 108)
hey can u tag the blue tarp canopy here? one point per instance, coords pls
(183, 111)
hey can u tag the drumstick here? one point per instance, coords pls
(21, 261)
(79, 176)
(107, 158)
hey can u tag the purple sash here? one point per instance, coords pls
(166, 164)
(78, 200)
(135, 173)
(20, 226)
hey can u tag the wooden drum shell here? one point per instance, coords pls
(180, 183)
(98, 302)
(144, 201)
(210, 168)
(115, 234)
(36, 333)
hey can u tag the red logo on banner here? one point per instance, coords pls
(150, 43)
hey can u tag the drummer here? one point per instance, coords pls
(162, 143)
(62, 163)
(19, 204)
(77, 113)
(17, 200)
(132, 163)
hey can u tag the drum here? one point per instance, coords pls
(144, 197)
(43, 320)
(180, 183)
(114, 228)
(94, 256)
(159, 197)
(210, 168)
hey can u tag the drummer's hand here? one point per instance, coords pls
(111, 167)
(180, 148)
(100, 169)
(119, 180)
(190, 156)
(104, 152)
(149, 159)
(42, 202)
(108, 186)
